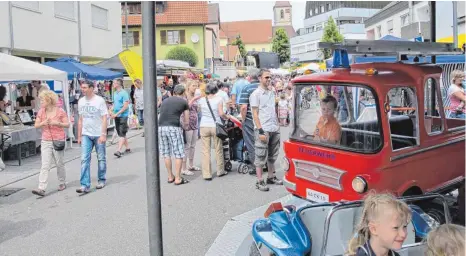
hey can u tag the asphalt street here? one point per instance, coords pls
(113, 221)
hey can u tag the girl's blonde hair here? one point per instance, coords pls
(49, 96)
(455, 74)
(189, 83)
(374, 204)
(446, 240)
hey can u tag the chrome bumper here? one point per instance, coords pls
(288, 184)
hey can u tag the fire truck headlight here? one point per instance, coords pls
(359, 184)
(286, 164)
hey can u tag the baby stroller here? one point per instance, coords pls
(233, 147)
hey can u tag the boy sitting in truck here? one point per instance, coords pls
(328, 129)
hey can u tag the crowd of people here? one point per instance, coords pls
(194, 109)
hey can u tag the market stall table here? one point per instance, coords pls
(18, 134)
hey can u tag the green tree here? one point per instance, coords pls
(281, 45)
(183, 53)
(242, 50)
(331, 35)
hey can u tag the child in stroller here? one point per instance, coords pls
(234, 148)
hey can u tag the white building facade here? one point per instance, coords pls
(409, 20)
(349, 17)
(41, 30)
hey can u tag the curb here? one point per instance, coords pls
(65, 162)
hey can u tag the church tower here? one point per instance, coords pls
(282, 18)
(282, 13)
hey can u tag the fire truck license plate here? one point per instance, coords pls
(316, 196)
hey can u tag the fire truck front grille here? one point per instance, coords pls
(319, 173)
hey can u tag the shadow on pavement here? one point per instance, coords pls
(12, 229)
(16, 197)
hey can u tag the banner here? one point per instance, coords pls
(132, 63)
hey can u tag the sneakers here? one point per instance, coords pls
(82, 190)
(262, 186)
(100, 185)
(274, 181)
(187, 173)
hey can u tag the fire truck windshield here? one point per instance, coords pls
(337, 115)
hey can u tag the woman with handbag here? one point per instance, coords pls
(211, 127)
(52, 120)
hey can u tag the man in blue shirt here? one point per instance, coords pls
(120, 112)
(246, 116)
(237, 88)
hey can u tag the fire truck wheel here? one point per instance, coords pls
(228, 166)
(460, 200)
(437, 214)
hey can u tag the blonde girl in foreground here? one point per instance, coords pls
(382, 228)
(446, 240)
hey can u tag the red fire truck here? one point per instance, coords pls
(389, 133)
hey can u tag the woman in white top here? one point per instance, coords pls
(208, 130)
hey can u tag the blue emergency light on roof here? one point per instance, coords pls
(340, 58)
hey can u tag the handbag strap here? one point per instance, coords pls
(211, 112)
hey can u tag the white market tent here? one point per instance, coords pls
(17, 69)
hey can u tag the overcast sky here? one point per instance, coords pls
(258, 10)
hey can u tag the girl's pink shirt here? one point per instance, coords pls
(53, 132)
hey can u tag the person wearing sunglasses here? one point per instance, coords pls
(267, 131)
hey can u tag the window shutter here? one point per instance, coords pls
(182, 37)
(136, 38)
(163, 37)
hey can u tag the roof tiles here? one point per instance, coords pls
(176, 13)
(251, 31)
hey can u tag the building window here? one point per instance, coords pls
(65, 10)
(282, 14)
(390, 27)
(379, 31)
(310, 12)
(172, 37)
(316, 10)
(319, 27)
(404, 20)
(329, 7)
(133, 38)
(133, 8)
(99, 17)
(159, 7)
(28, 5)
(322, 9)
